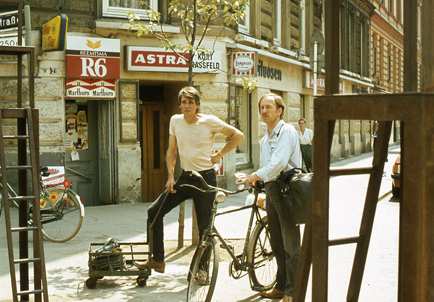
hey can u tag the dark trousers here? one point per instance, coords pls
(284, 239)
(306, 152)
(203, 203)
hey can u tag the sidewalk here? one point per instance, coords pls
(67, 268)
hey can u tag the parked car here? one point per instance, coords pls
(396, 176)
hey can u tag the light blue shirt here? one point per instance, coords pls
(280, 150)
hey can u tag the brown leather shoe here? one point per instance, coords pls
(158, 266)
(273, 294)
(286, 299)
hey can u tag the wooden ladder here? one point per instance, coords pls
(315, 247)
(24, 117)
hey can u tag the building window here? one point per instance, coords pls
(352, 44)
(374, 61)
(277, 22)
(120, 8)
(244, 24)
(389, 67)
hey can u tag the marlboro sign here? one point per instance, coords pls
(83, 88)
(89, 57)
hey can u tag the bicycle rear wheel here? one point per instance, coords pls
(263, 272)
(62, 216)
(202, 276)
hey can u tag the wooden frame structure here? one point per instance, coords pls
(416, 113)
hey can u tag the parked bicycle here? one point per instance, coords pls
(256, 260)
(61, 209)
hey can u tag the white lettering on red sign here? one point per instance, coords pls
(88, 69)
(149, 59)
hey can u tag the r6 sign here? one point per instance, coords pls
(92, 68)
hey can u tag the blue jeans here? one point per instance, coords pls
(284, 239)
(203, 203)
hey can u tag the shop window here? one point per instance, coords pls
(76, 125)
(120, 8)
(240, 117)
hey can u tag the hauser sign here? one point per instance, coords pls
(89, 57)
(158, 59)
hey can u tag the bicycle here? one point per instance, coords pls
(257, 259)
(61, 209)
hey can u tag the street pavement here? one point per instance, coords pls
(67, 263)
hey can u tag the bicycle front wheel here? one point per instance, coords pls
(263, 271)
(202, 276)
(61, 215)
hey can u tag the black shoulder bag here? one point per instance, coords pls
(295, 186)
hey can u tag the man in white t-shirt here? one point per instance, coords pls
(192, 134)
(305, 137)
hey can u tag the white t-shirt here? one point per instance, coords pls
(306, 138)
(195, 141)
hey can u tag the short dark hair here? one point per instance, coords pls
(302, 120)
(191, 93)
(278, 101)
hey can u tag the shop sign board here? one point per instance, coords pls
(244, 63)
(93, 58)
(87, 88)
(157, 59)
(308, 82)
(56, 178)
(54, 33)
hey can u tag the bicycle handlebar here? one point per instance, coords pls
(211, 189)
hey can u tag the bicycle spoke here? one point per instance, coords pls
(203, 274)
(61, 218)
(264, 266)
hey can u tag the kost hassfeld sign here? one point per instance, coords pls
(158, 59)
(89, 57)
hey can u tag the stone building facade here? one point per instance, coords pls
(387, 51)
(115, 116)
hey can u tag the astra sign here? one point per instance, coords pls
(89, 57)
(158, 59)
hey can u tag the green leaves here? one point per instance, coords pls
(249, 83)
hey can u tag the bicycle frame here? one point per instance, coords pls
(239, 265)
(54, 208)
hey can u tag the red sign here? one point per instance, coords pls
(244, 63)
(157, 59)
(92, 67)
(95, 58)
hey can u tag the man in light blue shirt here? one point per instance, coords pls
(280, 151)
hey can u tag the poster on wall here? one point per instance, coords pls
(77, 132)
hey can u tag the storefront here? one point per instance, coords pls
(92, 68)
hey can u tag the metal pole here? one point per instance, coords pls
(315, 67)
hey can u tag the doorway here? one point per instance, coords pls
(90, 150)
(153, 172)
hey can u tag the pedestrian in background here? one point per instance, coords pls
(280, 151)
(191, 134)
(305, 138)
